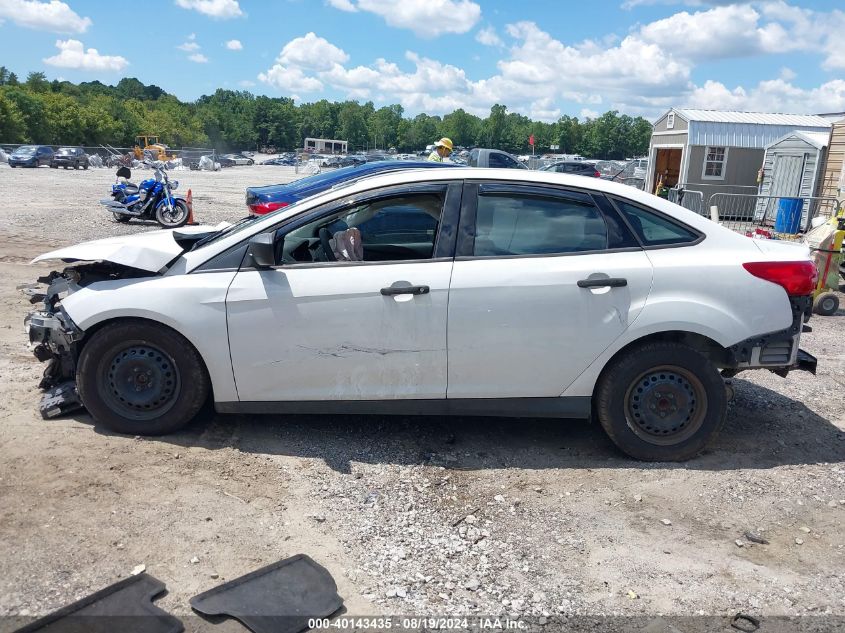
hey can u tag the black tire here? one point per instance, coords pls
(251, 162)
(826, 304)
(76, 165)
(174, 390)
(173, 222)
(85, 166)
(661, 401)
(51, 166)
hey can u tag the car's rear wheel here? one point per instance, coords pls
(141, 378)
(661, 401)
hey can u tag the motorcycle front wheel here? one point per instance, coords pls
(175, 218)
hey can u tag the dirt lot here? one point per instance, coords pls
(422, 516)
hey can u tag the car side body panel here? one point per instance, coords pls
(720, 301)
(193, 305)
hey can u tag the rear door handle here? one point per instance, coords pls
(613, 282)
(405, 290)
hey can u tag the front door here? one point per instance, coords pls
(548, 283)
(355, 309)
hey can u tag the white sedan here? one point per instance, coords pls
(465, 291)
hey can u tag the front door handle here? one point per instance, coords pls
(613, 282)
(405, 290)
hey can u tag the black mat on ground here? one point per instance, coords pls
(279, 598)
(125, 606)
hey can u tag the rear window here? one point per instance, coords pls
(654, 229)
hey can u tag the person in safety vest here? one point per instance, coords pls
(442, 149)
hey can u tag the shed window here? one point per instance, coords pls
(714, 163)
(670, 121)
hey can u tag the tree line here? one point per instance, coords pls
(91, 113)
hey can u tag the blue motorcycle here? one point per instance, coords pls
(152, 199)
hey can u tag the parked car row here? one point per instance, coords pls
(41, 155)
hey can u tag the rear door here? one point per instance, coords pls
(544, 280)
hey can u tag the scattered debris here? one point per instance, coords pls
(666, 522)
(755, 538)
(107, 609)
(138, 569)
(300, 590)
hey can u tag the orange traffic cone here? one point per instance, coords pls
(189, 200)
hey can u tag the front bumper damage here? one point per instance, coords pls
(54, 338)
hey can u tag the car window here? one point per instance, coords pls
(503, 161)
(523, 224)
(654, 229)
(394, 228)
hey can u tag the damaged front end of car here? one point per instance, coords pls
(55, 338)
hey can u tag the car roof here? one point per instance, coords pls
(411, 176)
(475, 174)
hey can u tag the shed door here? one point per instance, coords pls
(786, 175)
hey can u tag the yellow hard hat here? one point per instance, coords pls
(444, 142)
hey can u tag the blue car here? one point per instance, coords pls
(263, 200)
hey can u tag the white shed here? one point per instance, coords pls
(793, 167)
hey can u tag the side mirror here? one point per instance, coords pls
(262, 250)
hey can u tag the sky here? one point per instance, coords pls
(542, 58)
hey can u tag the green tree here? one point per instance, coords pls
(37, 82)
(12, 123)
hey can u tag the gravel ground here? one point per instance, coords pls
(428, 516)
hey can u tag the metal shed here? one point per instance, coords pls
(793, 167)
(713, 150)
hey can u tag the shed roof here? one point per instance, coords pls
(816, 139)
(760, 118)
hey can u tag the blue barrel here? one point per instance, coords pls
(789, 215)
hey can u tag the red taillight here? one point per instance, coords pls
(797, 278)
(262, 208)
(596, 174)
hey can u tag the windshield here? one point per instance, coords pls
(26, 150)
(66, 150)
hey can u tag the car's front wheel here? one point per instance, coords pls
(141, 378)
(661, 401)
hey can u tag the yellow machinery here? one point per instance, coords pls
(825, 242)
(150, 144)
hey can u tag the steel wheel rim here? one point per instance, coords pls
(665, 405)
(140, 382)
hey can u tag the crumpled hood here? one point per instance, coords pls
(150, 251)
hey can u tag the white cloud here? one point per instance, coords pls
(234, 45)
(72, 54)
(219, 9)
(198, 58)
(290, 79)
(775, 95)
(343, 5)
(648, 70)
(311, 52)
(189, 47)
(53, 16)
(489, 37)
(246, 83)
(426, 18)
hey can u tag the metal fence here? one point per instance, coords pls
(688, 199)
(757, 215)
